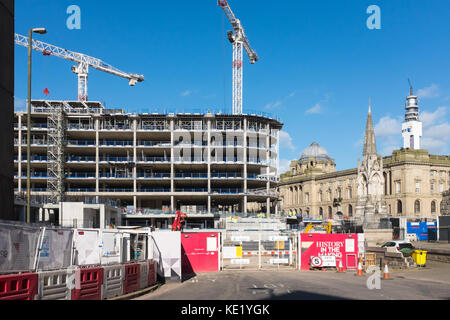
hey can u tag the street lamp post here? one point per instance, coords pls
(30, 48)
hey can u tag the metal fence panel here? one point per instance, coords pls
(55, 249)
(18, 247)
(111, 247)
(254, 250)
(86, 247)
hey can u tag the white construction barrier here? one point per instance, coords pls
(55, 250)
(111, 247)
(143, 275)
(113, 281)
(167, 254)
(18, 247)
(55, 285)
(87, 247)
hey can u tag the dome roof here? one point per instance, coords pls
(315, 151)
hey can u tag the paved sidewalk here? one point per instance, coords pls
(434, 271)
(423, 245)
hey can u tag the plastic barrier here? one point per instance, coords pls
(55, 285)
(19, 286)
(113, 281)
(143, 275)
(131, 281)
(88, 284)
(151, 273)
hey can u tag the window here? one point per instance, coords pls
(320, 196)
(441, 187)
(433, 207)
(350, 210)
(398, 187)
(417, 187)
(329, 195)
(432, 173)
(307, 197)
(432, 187)
(417, 207)
(339, 192)
(320, 213)
(399, 207)
(330, 213)
(350, 193)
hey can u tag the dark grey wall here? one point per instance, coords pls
(6, 109)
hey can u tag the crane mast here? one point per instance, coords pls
(83, 61)
(240, 42)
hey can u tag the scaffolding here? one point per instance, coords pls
(55, 153)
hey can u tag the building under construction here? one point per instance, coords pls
(150, 164)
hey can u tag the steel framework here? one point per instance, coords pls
(55, 153)
(84, 62)
(240, 42)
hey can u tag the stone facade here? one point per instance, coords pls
(445, 204)
(413, 183)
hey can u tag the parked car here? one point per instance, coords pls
(398, 245)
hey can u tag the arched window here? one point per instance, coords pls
(433, 207)
(399, 207)
(350, 210)
(385, 183)
(417, 207)
(330, 213)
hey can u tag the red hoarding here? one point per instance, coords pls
(199, 252)
(328, 250)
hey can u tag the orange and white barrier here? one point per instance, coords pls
(386, 271)
(360, 269)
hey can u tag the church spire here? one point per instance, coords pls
(370, 146)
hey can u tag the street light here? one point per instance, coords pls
(30, 47)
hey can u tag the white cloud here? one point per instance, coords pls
(436, 132)
(185, 93)
(316, 109)
(429, 92)
(274, 105)
(286, 141)
(284, 166)
(429, 119)
(388, 126)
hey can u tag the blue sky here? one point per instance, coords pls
(319, 64)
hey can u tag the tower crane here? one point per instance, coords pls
(83, 61)
(240, 42)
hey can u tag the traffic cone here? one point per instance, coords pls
(341, 268)
(386, 271)
(360, 269)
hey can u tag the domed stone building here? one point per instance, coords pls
(410, 182)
